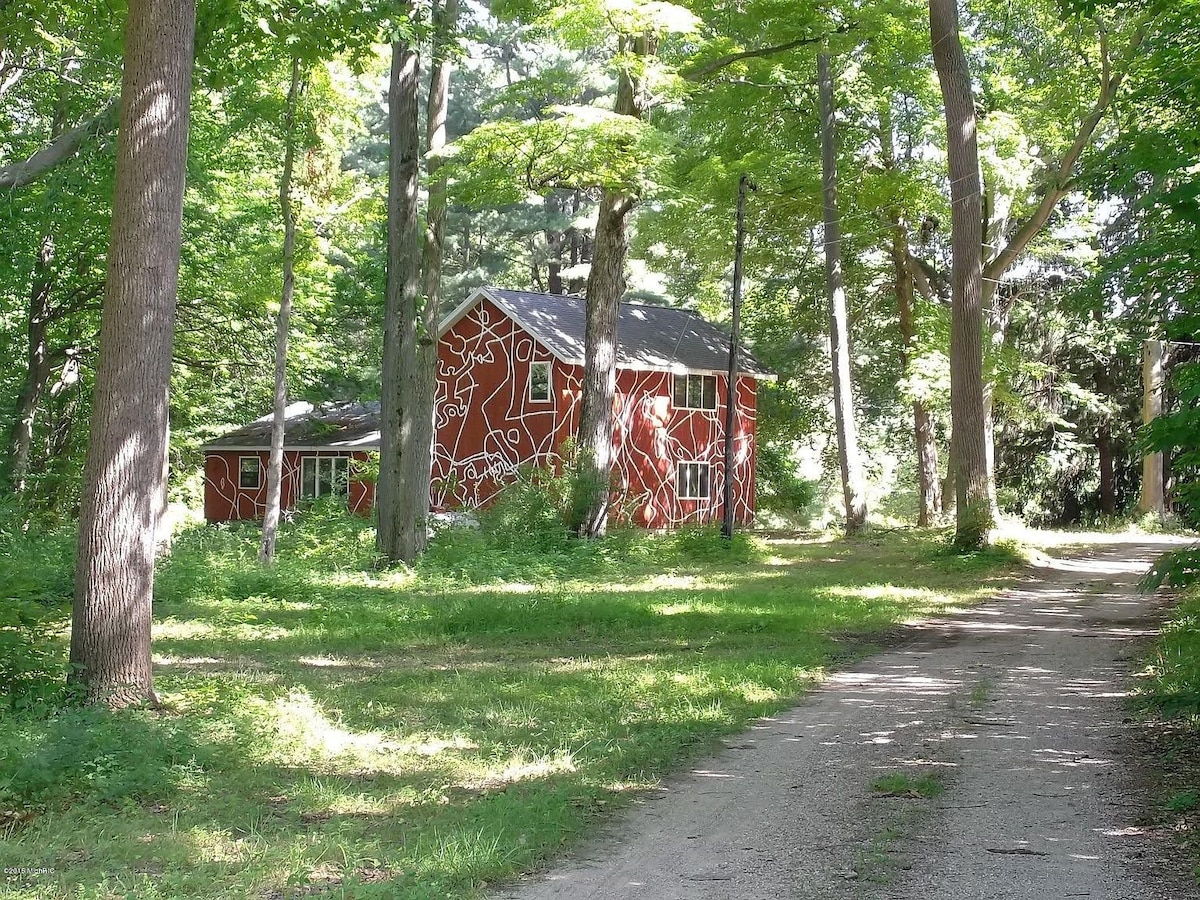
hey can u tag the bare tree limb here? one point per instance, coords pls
(59, 150)
(712, 66)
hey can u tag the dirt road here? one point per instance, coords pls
(1015, 708)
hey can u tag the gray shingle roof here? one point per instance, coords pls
(335, 426)
(648, 337)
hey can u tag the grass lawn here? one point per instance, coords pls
(1170, 694)
(335, 732)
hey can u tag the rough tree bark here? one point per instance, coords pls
(445, 19)
(123, 476)
(849, 461)
(605, 287)
(973, 512)
(270, 527)
(396, 536)
(1152, 499)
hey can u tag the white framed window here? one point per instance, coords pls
(691, 480)
(321, 476)
(695, 392)
(250, 472)
(539, 382)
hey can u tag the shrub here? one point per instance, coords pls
(778, 488)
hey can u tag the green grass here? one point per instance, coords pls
(903, 784)
(1171, 696)
(422, 734)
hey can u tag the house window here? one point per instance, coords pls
(250, 472)
(539, 381)
(691, 482)
(695, 392)
(321, 476)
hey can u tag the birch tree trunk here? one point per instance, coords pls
(839, 330)
(396, 538)
(605, 287)
(123, 482)
(270, 528)
(973, 511)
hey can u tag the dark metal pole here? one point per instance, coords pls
(731, 384)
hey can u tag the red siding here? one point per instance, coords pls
(225, 501)
(487, 428)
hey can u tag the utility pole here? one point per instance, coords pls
(744, 184)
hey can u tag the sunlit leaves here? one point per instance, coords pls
(506, 161)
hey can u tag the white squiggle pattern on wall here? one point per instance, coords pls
(487, 428)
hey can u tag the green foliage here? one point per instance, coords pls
(35, 599)
(778, 488)
(506, 161)
(1177, 569)
(1173, 688)
(531, 513)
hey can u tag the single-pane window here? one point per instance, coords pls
(250, 472)
(695, 391)
(539, 381)
(691, 481)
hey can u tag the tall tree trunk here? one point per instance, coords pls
(37, 372)
(839, 329)
(605, 287)
(973, 511)
(396, 538)
(445, 20)
(270, 527)
(123, 474)
(1152, 500)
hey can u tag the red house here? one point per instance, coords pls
(510, 366)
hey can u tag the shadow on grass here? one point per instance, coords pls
(346, 733)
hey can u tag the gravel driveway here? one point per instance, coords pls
(1015, 708)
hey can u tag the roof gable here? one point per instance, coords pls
(648, 337)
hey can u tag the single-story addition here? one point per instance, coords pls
(319, 443)
(510, 369)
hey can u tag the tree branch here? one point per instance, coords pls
(704, 69)
(59, 150)
(1058, 184)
